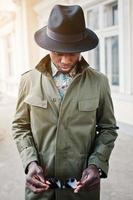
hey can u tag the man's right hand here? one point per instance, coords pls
(35, 178)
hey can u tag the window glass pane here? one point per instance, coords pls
(111, 14)
(94, 58)
(112, 59)
(93, 19)
(115, 14)
(97, 58)
(9, 52)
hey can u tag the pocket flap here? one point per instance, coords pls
(88, 104)
(36, 101)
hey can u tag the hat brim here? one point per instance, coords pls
(86, 44)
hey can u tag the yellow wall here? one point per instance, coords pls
(32, 26)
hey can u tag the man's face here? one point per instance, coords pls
(64, 61)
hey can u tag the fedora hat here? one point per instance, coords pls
(66, 31)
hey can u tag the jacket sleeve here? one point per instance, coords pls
(105, 130)
(21, 128)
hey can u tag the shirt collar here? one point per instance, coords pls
(72, 73)
(54, 69)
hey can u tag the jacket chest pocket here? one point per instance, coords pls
(39, 109)
(88, 105)
(87, 110)
(36, 102)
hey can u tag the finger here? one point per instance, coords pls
(85, 174)
(34, 189)
(89, 179)
(47, 182)
(40, 174)
(91, 186)
(78, 183)
(88, 187)
(40, 178)
(85, 183)
(31, 173)
(86, 179)
(77, 189)
(37, 183)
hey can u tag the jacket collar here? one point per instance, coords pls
(44, 66)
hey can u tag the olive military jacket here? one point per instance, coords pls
(64, 136)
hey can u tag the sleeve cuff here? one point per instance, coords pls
(28, 155)
(103, 166)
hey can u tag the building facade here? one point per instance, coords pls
(112, 20)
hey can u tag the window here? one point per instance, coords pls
(111, 14)
(10, 56)
(111, 60)
(93, 23)
(103, 19)
(115, 14)
(95, 57)
(92, 19)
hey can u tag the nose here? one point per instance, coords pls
(66, 60)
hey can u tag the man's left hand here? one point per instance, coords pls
(90, 179)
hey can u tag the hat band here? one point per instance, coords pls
(66, 38)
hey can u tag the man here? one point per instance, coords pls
(64, 124)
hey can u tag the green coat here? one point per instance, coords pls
(62, 136)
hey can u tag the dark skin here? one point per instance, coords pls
(35, 177)
(65, 62)
(36, 182)
(89, 180)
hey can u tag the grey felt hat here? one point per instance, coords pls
(66, 31)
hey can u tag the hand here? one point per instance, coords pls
(90, 179)
(35, 178)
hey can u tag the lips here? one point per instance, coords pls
(66, 66)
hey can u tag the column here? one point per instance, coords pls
(125, 45)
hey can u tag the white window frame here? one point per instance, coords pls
(103, 33)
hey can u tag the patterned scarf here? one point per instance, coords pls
(62, 80)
